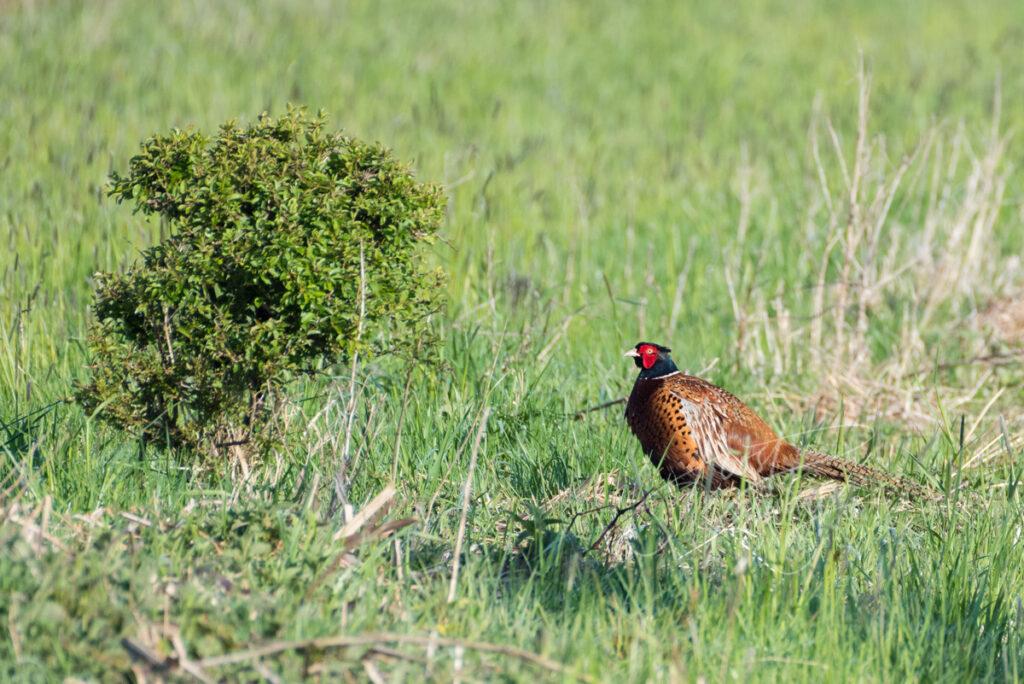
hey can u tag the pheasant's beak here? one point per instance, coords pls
(632, 352)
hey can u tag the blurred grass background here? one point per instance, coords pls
(615, 171)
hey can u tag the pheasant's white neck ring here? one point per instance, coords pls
(661, 377)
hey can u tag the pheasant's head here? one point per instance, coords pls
(653, 360)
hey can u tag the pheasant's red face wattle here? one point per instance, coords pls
(648, 355)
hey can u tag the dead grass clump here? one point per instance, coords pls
(1004, 318)
(897, 250)
(604, 489)
(611, 495)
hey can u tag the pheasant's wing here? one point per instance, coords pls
(756, 442)
(709, 431)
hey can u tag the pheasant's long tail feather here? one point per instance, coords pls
(823, 465)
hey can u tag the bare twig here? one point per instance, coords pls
(615, 520)
(138, 520)
(361, 528)
(608, 404)
(466, 491)
(167, 334)
(375, 640)
(232, 443)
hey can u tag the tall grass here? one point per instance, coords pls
(817, 207)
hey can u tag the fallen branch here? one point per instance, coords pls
(375, 641)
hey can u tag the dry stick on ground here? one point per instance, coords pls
(376, 640)
(184, 662)
(322, 670)
(466, 491)
(158, 666)
(265, 672)
(372, 673)
(35, 531)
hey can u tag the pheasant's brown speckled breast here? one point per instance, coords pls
(654, 414)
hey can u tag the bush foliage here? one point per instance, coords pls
(290, 248)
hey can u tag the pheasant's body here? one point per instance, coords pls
(696, 432)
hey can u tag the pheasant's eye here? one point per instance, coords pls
(648, 351)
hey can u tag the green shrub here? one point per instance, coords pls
(290, 248)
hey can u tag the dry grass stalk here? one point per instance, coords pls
(362, 527)
(921, 231)
(1004, 317)
(366, 513)
(466, 491)
(340, 486)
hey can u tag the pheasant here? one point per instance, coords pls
(695, 432)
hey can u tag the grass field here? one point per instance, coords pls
(839, 245)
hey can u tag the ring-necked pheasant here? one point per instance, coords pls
(696, 432)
